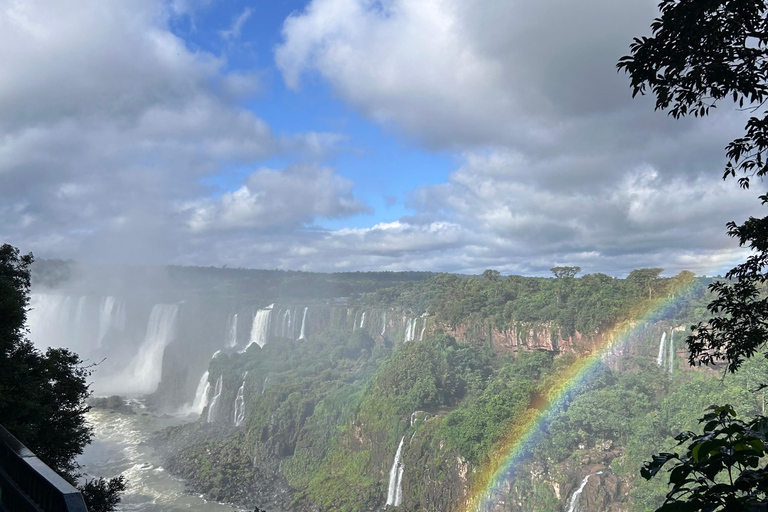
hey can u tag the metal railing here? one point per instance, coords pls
(28, 485)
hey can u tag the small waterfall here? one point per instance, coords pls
(421, 336)
(384, 323)
(240, 404)
(573, 503)
(264, 386)
(362, 320)
(105, 317)
(303, 332)
(410, 329)
(201, 395)
(395, 490)
(232, 337)
(143, 373)
(662, 347)
(285, 326)
(671, 361)
(213, 409)
(260, 329)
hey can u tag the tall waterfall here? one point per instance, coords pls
(410, 329)
(76, 322)
(573, 503)
(201, 395)
(260, 329)
(395, 490)
(232, 337)
(303, 332)
(213, 409)
(424, 328)
(105, 316)
(662, 347)
(240, 404)
(362, 320)
(671, 361)
(383, 323)
(143, 373)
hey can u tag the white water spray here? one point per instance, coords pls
(662, 347)
(303, 333)
(240, 404)
(213, 409)
(260, 328)
(232, 337)
(362, 320)
(201, 395)
(395, 490)
(573, 503)
(384, 323)
(143, 373)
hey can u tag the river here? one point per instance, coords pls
(117, 449)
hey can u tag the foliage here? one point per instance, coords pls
(42, 395)
(720, 469)
(701, 53)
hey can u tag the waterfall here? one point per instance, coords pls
(143, 373)
(362, 320)
(264, 386)
(671, 360)
(232, 338)
(384, 323)
(240, 404)
(201, 395)
(573, 503)
(303, 333)
(662, 347)
(260, 329)
(410, 329)
(395, 490)
(421, 336)
(105, 317)
(213, 409)
(285, 327)
(61, 321)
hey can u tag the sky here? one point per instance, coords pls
(345, 135)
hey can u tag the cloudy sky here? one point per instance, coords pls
(337, 135)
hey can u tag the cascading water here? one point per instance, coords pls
(662, 347)
(395, 490)
(285, 326)
(264, 386)
(362, 320)
(423, 329)
(143, 373)
(201, 395)
(105, 317)
(232, 337)
(303, 332)
(260, 329)
(240, 404)
(213, 409)
(383, 323)
(573, 503)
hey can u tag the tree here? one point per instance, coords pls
(702, 52)
(491, 275)
(644, 278)
(42, 396)
(565, 272)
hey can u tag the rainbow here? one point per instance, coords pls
(489, 486)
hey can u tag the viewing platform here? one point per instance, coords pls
(28, 485)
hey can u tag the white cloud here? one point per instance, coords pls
(234, 31)
(273, 199)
